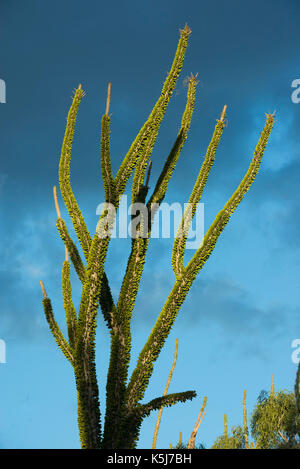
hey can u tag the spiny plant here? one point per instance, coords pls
(124, 410)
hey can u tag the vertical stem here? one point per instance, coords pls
(165, 392)
(272, 387)
(245, 421)
(43, 289)
(108, 98)
(56, 202)
(191, 442)
(223, 113)
(225, 429)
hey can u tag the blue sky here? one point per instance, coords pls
(236, 326)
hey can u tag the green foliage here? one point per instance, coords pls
(275, 422)
(124, 410)
(234, 441)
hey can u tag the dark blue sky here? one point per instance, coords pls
(242, 313)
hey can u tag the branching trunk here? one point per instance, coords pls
(124, 410)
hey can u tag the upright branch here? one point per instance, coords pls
(272, 392)
(142, 146)
(191, 442)
(182, 232)
(105, 296)
(164, 394)
(56, 332)
(71, 316)
(107, 176)
(64, 176)
(69, 245)
(161, 186)
(225, 429)
(138, 157)
(108, 98)
(246, 432)
(95, 287)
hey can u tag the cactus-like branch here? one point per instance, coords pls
(134, 419)
(71, 317)
(70, 246)
(85, 369)
(182, 232)
(121, 341)
(139, 245)
(95, 252)
(168, 169)
(105, 298)
(72, 249)
(107, 177)
(57, 334)
(141, 148)
(144, 368)
(211, 237)
(143, 158)
(164, 401)
(64, 176)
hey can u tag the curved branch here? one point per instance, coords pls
(64, 176)
(132, 423)
(141, 148)
(71, 317)
(57, 334)
(182, 232)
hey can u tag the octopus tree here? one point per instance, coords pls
(124, 410)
